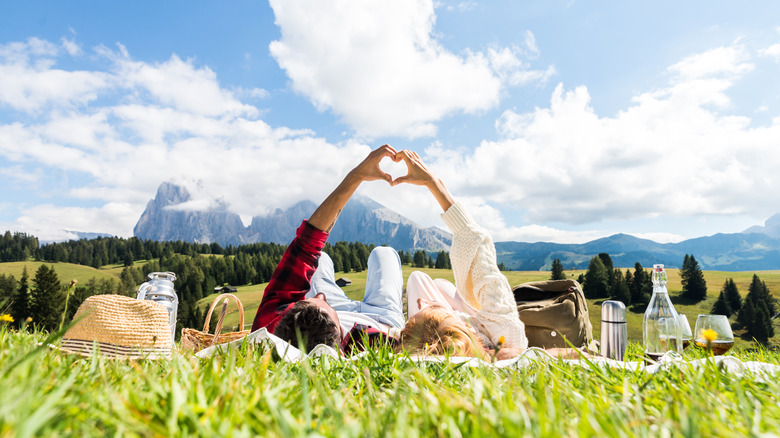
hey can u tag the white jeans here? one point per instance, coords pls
(383, 298)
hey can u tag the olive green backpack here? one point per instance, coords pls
(553, 310)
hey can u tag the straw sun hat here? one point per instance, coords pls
(119, 327)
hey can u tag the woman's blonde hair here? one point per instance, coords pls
(434, 330)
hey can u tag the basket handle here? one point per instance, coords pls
(214, 304)
(218, 328)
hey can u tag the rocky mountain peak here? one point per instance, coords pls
(362, 219)
(771, 227)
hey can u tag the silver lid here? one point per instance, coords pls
(613, 311)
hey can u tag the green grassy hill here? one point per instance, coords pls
(65, 271)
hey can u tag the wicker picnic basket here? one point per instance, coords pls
(196, 340)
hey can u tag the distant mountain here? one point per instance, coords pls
(771, 227)
(76, 235)
(723, 252)
(362, 220)
(162, 221)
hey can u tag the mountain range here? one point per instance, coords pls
(367, 221)
(362, 219)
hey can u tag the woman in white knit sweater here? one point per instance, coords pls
(478, 315)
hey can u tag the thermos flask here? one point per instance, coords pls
(159, 289)
(614, 332)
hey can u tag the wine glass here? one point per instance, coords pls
(714, 333)
(685, 328)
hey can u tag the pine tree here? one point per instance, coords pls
(643, 286)
(609, 267)
(356, 264)
(619, 290)
(757, 311)
(337, 264)
(771, 302)
(346, 260)
(419, 259)
(759, 293)
(439, 260)
(746, 315)
(693, 283)
(762, 328)
(732, 295)
(596, 280)
(556, 271)
(721, 306)
(47, 298)
(20, 308)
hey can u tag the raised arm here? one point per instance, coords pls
(473, 257)
(291, 279)
(368, 170)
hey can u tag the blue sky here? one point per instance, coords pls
(552, 121)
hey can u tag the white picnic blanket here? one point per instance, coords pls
(289, 353)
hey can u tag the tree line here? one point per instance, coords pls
(754, 313)
(199, 269)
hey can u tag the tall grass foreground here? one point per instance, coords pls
(249, 392)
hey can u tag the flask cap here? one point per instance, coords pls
(613, 311)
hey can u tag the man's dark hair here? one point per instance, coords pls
(314, 325)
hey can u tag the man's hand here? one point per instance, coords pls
(368, 169)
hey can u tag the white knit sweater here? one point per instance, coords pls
(480, 283)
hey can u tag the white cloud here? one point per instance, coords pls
(20, 175)
(461, 6)
(512, 70)
(672, 152)
(378, 66)
(177, 84)
(30, 83)
(660, 237)
(772, 51)
(146, 123)
(71, 46)
(49, 222)
(722, 62)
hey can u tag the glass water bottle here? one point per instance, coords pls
(660, 327)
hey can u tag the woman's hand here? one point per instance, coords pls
(567, 353)
(419, 174)
(507, 353)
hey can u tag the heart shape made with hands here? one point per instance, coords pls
(395, 170)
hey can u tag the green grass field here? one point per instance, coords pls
(249, 393)
(65, 271)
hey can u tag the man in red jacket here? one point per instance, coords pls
(302, 301)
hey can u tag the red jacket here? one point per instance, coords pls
(291, 281)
